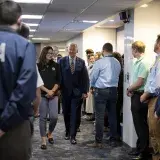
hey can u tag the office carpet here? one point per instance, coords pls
(63, 150)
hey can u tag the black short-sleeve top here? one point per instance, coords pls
(50, 74)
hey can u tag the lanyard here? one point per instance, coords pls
(110, 55)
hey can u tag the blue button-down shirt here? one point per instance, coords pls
(105, 73)
(153, 80)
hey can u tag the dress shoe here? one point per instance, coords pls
(73, 141)
(133, 153)
(67, 136)
(78, 130)
(43, 147)
(95, 145)
(139, 157)
(50, 140)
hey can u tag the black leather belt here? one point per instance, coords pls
(105, 88)
(138, 92)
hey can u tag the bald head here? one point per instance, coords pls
(73, 49)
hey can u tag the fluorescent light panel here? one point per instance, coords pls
(62, 50)
(31, 24)
(31, 16)
(32, 30)
(33, 1)
(144, 5)
(30, 36)
(111, 20)
(85, 21)
(44, 39)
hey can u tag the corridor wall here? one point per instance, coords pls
(147, 26)
(144, 26)
(95, 38)
(79, 41)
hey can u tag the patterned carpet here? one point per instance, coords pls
(63, 150)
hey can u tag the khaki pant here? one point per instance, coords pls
(16, 144)
(154, 129)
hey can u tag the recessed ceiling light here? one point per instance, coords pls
(33, 1)
(32, 30)
(144, 5)
(44, 39)
(85, 21)
(111, 20)
(62, 50)
(30, 36)
(31, 16)
(31, 24)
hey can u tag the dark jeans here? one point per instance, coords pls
(139, 113)
(105, 99)
(16, 143)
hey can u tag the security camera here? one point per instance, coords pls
(124, 16)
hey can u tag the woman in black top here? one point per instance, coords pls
(50, 73)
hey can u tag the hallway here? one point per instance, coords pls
(63, 150)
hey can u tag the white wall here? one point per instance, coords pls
(147, 26)
(129, 135)
(79, 41)
(144, 26)
(95, 38)
(120, 40)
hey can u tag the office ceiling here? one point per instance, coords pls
(62, 18)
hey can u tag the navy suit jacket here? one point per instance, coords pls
(76, 83)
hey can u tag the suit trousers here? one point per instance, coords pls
(72, 113)
(16, 143)
(139, 113)
(154, 129)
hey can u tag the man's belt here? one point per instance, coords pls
(105, 88)
(138, 92)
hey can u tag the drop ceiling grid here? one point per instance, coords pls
(62, 12)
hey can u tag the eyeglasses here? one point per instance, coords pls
(50, 53)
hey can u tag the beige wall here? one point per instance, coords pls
(79, 41)
(95, 38)
(147, 26)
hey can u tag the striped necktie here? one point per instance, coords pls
(72, 65)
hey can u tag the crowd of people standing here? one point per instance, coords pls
(25, 86)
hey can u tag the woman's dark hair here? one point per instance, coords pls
(24, 31)
(42, 58)
(118, 57)
(10, 12)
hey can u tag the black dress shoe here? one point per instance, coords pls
(73, 141)
(50, 140)
(140, 157)
(67, 136)
(133, 153)
(78, 130)
(43, 147)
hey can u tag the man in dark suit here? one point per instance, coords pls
(74, 87)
